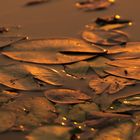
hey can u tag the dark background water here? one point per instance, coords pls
(60, 18)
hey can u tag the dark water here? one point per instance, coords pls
(60, 18)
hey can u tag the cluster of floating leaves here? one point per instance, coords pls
(58, 111)
(70, 88)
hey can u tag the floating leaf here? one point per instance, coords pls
(66, 96)
(129, 50)
(5, 41)
(45, 74)
(125, 63)
(36, 2)
(4, 60)
(50, 133)
(121, 131)
(131, 73)
(25, 76)
(94, 26)
(15, 76)
(109, 23)
(7, 120)
(106, 38)
(110, 84)
(93, 4)
(51, 51)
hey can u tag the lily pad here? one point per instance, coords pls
(66, 96)
(109, 23)
(51, 51)
(4, 60)
(105, 38)
(36, 2)
(130, 50)
(93, 4)
(131, 73)
(25, 76)
(125, 63)
(5, 41)
(45, 74)
(136, 136)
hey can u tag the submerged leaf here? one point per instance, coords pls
(80, 112)
(106, 38)
(120, 131)
(50, 133)
(66, 96)
(31, 111)
(51, 51)
(7, 120)
(78, 69)
(105, 100)
(99, 64)
(110, 84)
